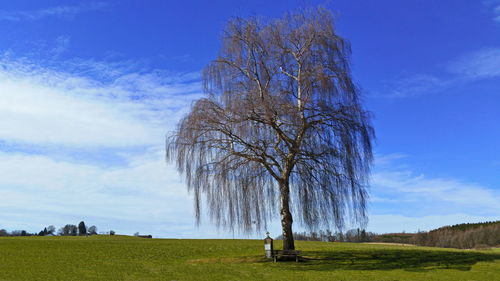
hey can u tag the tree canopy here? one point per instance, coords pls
(281, 130)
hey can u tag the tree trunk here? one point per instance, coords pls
(286, 217)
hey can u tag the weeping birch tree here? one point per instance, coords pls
(281, 130)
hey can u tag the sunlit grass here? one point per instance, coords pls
(130, 258)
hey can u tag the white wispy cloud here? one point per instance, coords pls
(403, 199)
(61, 45)
(145, 195)
(43, 106)
(494, 7)
(58, 11)
(416, 85)
(484, 63)
(437, 191)
(473, 66)
(481, 64)
(386, 159)
(496, 11)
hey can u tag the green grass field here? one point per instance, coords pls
(130, 258)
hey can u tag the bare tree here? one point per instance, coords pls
(92, 230)
(51, 229)
(68, 230)
(282, 127)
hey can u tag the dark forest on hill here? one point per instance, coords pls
(461, 236)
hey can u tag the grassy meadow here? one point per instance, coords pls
(131, 258)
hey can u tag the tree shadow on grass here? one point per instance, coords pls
(388, 259)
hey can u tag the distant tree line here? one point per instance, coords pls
(467, 226)
(353, 235)
(67, 230)
(400, 238)
(461, 236)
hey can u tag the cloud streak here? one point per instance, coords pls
(426, 191)
(57, 11)
(482, 64)
(417, 85)
(142, 194)
(494, 5)
(41, 106)
(402, 199)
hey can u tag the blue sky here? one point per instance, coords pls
(88, 91)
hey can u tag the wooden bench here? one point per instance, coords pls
(278, 254)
